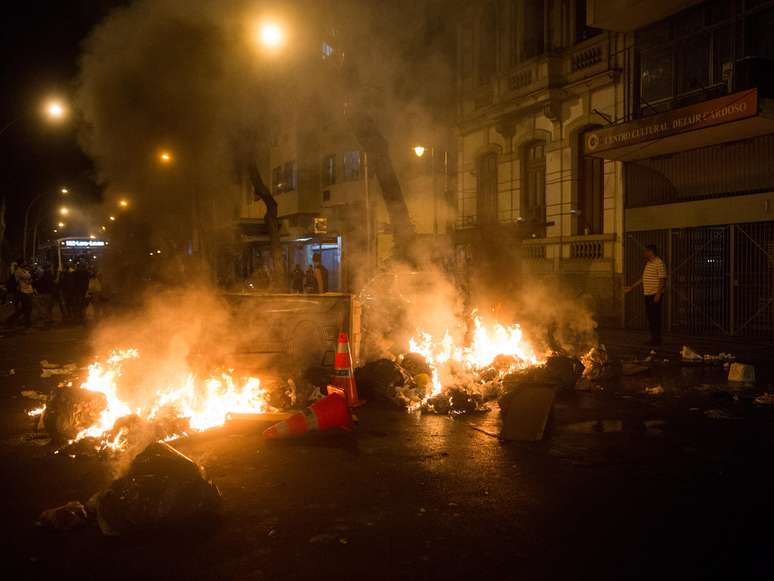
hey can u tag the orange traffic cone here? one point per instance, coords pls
(343, 376)
(329, 412)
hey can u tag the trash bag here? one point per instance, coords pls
(162, 489)
(378, 379)
(415, 364)
(70, 410)
(64, 518)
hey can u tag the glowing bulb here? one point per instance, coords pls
(92, 237)
(55, 110)
(271, 35)
(61, 224)
(112, 218)
(64, 211)
(165, 157)
(123, 203)
(419, 151)
(65, 191)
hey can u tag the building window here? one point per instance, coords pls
(591, 191)
(487, 44)
(351, 165)
(329, 170)
(692, 56)
(487, 189)
(533, 33)
(582, 30)
(533, 187)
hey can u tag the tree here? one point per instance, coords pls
(273, 224)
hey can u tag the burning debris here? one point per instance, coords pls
(106, 413)
(445, 377)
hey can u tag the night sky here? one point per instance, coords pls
(40, 46)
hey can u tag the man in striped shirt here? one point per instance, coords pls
(653, 282)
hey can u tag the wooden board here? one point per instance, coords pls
(526, 414)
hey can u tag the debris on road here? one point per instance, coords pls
(525, 413)
(64, 518)
(764, 399)
(599, 368)
(688, 354)
(741, 373)
(52, 369)
(162, 489)
(35, 395)
(718, 414)
(71, 410)
(656, 390)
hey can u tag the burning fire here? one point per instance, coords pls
(204, 402)
(489, 342)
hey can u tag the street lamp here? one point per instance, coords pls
(27, 222)
(64, 191)
(124, 203)
(55, 109)
(271, 35)
(112, 218)
(419, 151)
(61, 224)
(165, 157)
(64, 210)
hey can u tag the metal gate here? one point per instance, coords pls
(721, 279)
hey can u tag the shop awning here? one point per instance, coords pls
(730, 118)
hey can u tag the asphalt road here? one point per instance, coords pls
(658, 490)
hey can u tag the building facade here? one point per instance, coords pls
(534, 79)
(330, 200)
(697, 149)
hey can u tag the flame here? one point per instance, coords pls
(488, 342)
(204, 402)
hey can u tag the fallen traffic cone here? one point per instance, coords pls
(329, 412)
(343, 376)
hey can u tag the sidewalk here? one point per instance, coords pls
(629, 343)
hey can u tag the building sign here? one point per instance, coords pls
(707, 114)
(84, 243)
(321, 225)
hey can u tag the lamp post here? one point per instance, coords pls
(419, 151)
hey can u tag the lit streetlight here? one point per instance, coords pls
(165, 157)
(64, 210)
(55, 109)
(92, 237)
(271, 35)
(64, 191)
(419, 150)
(112, 218)
(61, 224)
(124, 203)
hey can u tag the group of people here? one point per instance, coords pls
(71, 290)
(313, 281)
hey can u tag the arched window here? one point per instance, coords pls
(486, 186)
(590, 210)
(533, 183)
(487, 43)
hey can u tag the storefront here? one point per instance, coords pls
(699, 184)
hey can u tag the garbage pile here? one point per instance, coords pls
(408, 382)
(162, 489)
(688, 355)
